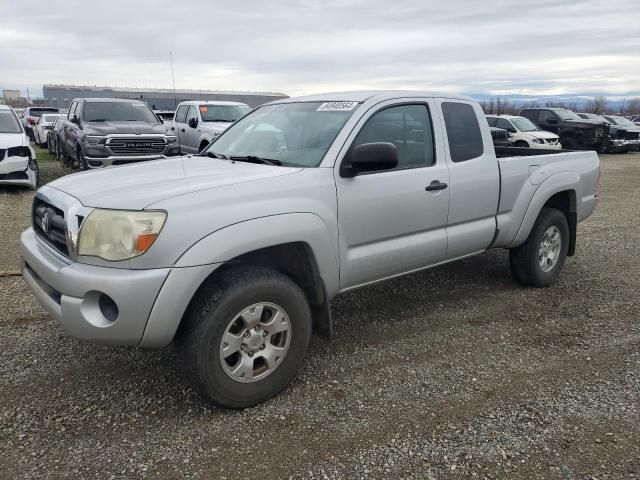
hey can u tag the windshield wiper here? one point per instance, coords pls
(97, 120)
(255, 159)
(219, 120)
(213, 155)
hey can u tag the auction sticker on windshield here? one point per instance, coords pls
(337, 106)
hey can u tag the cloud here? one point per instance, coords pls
(307, 46)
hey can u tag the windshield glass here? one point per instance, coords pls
(621, 121)
(297, 134)
(118, 111)
(9, 123)
(524, 124)
(567, 115)
(222, 113)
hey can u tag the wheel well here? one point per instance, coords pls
(296, 260)
(203, 145)
(566, 202)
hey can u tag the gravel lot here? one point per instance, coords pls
(456, 372)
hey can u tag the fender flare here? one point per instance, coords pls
(234, 240)
(557, 183)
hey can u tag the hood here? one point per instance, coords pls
(587, 122)
(215, 127)
(139, 128)
(139, 185)
(542, 134)
(8, 140)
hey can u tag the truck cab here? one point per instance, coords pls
(197, 123)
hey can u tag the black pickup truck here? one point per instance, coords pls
(99, 132)
(575, 133)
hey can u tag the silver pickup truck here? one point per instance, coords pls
(235, 254)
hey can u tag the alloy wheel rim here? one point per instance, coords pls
(549, 249)
(255, 342)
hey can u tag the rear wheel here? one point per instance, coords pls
(540, 259)
(244, 336)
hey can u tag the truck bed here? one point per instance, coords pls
(528, 175)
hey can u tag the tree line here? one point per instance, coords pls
(500, 106)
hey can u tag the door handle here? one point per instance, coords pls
(436, 185)
(182, 129)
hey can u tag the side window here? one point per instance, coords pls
(72, 110)
(181, 114)
(545, 115)
(192, 113)
(408, 127)
(506, 124)
(463, 131)
(492, 121)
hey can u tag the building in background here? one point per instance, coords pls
(10, 95)
(157, 98)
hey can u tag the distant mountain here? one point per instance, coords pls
(614, 102)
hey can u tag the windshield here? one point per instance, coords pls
(222, 113)
(621, 121)
(118, 111)
(567, 115)
(9, 123)
(524, 124)
(297, 134)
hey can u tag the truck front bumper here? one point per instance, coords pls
(109, 305)
(99, 162)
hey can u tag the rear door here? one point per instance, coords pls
(474, 179)
(388, 222)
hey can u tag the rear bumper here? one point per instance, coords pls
(149, 304)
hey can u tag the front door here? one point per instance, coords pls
(389, 223)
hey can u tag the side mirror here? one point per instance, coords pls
(370, 157)
(75, 119)
(193, 122)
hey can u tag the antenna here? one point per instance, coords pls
(175, 101)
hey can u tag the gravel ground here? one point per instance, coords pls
(456, 372)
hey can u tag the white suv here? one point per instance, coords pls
(18, 164)
(525, 133)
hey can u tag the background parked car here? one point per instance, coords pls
(109, 131)
(18, 164)
(621, 138)
(524, 133)
(197, 123)
(43, 127)
(633, 130)
(52, 143)
(31, 116)
(575, 133)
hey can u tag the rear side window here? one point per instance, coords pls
(492, 121)
(463, 131)
(181, 114)
(408, 127)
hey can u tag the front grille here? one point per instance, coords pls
(499, 133)
(49, 224)
(632, 135)
(552, 141)
(14, 176)
(136, 146)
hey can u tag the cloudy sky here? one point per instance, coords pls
(297, 47)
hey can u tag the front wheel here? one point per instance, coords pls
(540, 259)
(244, 336)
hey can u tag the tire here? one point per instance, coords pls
(526, 260)
(521, 144)
(65, 160)
(50, 144)
(82, 162)
(210, 318)
(568, 143)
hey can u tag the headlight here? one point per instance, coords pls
(19, 152)
(119, 234)
(91, 140)
(536, 140)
